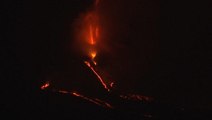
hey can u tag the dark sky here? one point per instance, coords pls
(161, 49)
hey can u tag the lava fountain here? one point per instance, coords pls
(90, 37)
(88, 40)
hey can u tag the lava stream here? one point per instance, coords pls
(97, 75)
(95, 100)
(44, 86)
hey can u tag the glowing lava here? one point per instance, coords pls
(44, 86)
(91, 30)
(97, 75)
(92, 41)
(95, 100)
(93, 54)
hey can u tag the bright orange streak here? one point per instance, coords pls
(93, 101)
(44, 86)
(93, 54)
(92, 42)
(98, 76)
(76, 94)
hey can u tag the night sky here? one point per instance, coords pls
(160, 49)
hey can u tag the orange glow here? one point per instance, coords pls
(76, 94)
(92, 42)
(90, 36)
(97, 32)
(88, 64)
(81, 96)
(94, 62)
(44, 86)
(95, 101)
(90, 30)
(97, 75)
(93, 29)
(93, 54)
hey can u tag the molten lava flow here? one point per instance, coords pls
(97, 75)
(44, 86)
(95, 101)
(90, 31)
(90, 35)
(93, 54)
(90, 38)
(111, 84)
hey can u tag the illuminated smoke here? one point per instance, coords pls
(95, 101)
(91, 30)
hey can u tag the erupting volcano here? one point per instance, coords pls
(88, 40)
(91, 37)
